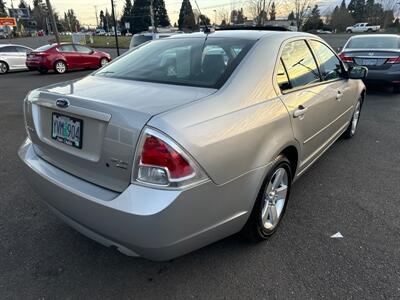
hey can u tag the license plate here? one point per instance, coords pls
(67, 130)
(369, 62)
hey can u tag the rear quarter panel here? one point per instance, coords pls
(242, 127)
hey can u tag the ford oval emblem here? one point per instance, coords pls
(63, 103)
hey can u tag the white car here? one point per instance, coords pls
(363, 27)
(13, 57)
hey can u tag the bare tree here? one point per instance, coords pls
(259, 10)
(301, 9)
(224, 15)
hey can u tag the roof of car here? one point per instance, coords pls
(245, 34)
(6, 45)
(374, 35)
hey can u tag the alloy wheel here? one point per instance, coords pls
(61, 67)
(274, 199)
(3, 68)
(103, 62)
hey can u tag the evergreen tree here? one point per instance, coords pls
(186, 16)
(272, 12)
(160, 14)
(341, 18)
(102, 21)
(141, 19)
(291, 16)
(22, 4)
(126, 15)
(314, 21)
(357, 9)
(3, 12)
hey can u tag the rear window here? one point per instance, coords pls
(374, 43)
(188, 61)
(44, 48)
(140, 39)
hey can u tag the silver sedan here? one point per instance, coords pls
(13, 57)
(187, 140)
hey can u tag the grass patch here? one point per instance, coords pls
(101, 41)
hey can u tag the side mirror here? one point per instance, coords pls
(358, 72)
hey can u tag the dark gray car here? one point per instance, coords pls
(380, 53)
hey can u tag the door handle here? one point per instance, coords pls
(300, 111)
(339, 95)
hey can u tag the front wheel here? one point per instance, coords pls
(103, 62)
(349, 31)
(271, 203)
(60, 67)
(351, 130)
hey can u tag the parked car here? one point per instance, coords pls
(64, 57)
(100, 32)
(363, 27)
(41, 33)
(3, 34)
(141, 38)
(13, 57)
(170, 148)
(380, 53)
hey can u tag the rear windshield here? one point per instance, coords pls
(374, 43)
(188, 61)
(44, 48)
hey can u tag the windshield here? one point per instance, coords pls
(44, 48)
(374, 43)
(187, 61)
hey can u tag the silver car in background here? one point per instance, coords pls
(189, 139)
(380, 53)
(13, 57)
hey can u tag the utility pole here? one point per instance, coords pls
(153, 25)
(115, 26)
(97, 17)
(53, 21)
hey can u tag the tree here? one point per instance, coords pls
(314, 21)
(340, 18)
(291, 16)
(259, 10)
(127, 13)
(186, 16)
(102, 21)
(357, 9)
(160, 14)
(301, 10)
(237, 16)
(141, 16)
(272, 12)
(70, 21)
(204, 20)
(39, 14)
(22, 4)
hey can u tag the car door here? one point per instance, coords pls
(87, 57)
(10, 55)
(71, 56)
(336, 85)
(21, 56)
(302, 93)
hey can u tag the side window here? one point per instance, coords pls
(300, 64)
(22, 49)
(83, 49)
(281, 77)
(8, 49)
(330, 65)
(67, 48)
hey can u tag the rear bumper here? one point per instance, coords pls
(389, 76)
(36, 64)
(155, 224)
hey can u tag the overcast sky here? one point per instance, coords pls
(85, 9)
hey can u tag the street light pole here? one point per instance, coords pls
(115, 26)
(53, 21)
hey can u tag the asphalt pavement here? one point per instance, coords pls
(353, 189)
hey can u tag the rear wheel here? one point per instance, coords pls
(3, 67)
(369, 30)
(349, 31)
(60, 67)
(103, 62)
(271, 203)
(351, 130)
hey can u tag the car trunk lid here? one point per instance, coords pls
(111, 113)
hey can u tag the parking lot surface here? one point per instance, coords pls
(353, 189)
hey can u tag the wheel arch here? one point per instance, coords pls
(292, 154)
(7, 65)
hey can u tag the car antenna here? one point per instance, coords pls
(207, 30)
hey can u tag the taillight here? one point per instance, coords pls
(345, 58)
(160, 161)
(393, 60)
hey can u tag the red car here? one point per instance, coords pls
(64, 57)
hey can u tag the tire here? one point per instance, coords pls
(3, 67)
(271, 202)
(349, 31)
(369, 30)
(60, 67)
(352, 128)
(103, 62)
